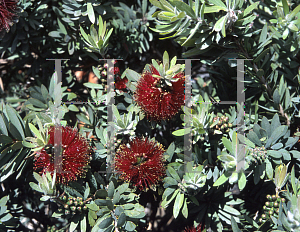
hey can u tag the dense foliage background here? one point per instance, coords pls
(153, 186)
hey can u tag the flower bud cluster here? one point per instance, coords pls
(223, 125)
(51, 228)
(71, 205)
(103, 71)
(258, 154)
(271, 207)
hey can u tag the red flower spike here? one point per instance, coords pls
(193, 229)
(141, 163)
(75, 155)
(121, 83)
(159, 103)
(7, 13)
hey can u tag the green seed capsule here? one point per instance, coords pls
(260, 220)
(269, 204)
(277, 210)
(79, 208)
(70, 202)
(282, 200)
(85, 207)
(66, 206)
(274, 197)
(263, 216)
(73, 208)
(64, 198)
(271, 212)
(269, 197)
(67, 212)
(75, 203)
(276, 205)
(81, 203)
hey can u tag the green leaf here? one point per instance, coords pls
(218, 3)
(192, 33)
(274, 154)
(242, 180)
(93, 85)
(90, 12)
(35, 187)
(254, 138)
(85, 36)
(169, 198)
(227, 143)
(184, 7)
(101, 193)
(106, 223)
(266, 126)
(220, 24)
(250, 8)
(130, 226)
(174, 173)
(280, 175)
(166, 60)
(276, 97)
(296, 154)
(185, 211)
(73, 108)
(261, 55)
(12, 115)
(222, 179)
(132, 75)
(178, 204)
(285, 33)
(269, 169)
(170, 181)
(92, 206)
(293, 180)
(5, 139)
(121, 220)
(170, 151)
(213, 9)
(110, 190)
(83, 224)
(36, 132)
(122, 188)
(87, 191)
(156, 3)
(3, 128)
(286, 9)
(293, 14)
(73, 226)
(182, 132)
(234, 225)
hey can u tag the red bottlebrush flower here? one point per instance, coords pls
(120, 83)
(141, 163)
(7, 13)
(158, 100)
(193, 229)
(75, 155)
